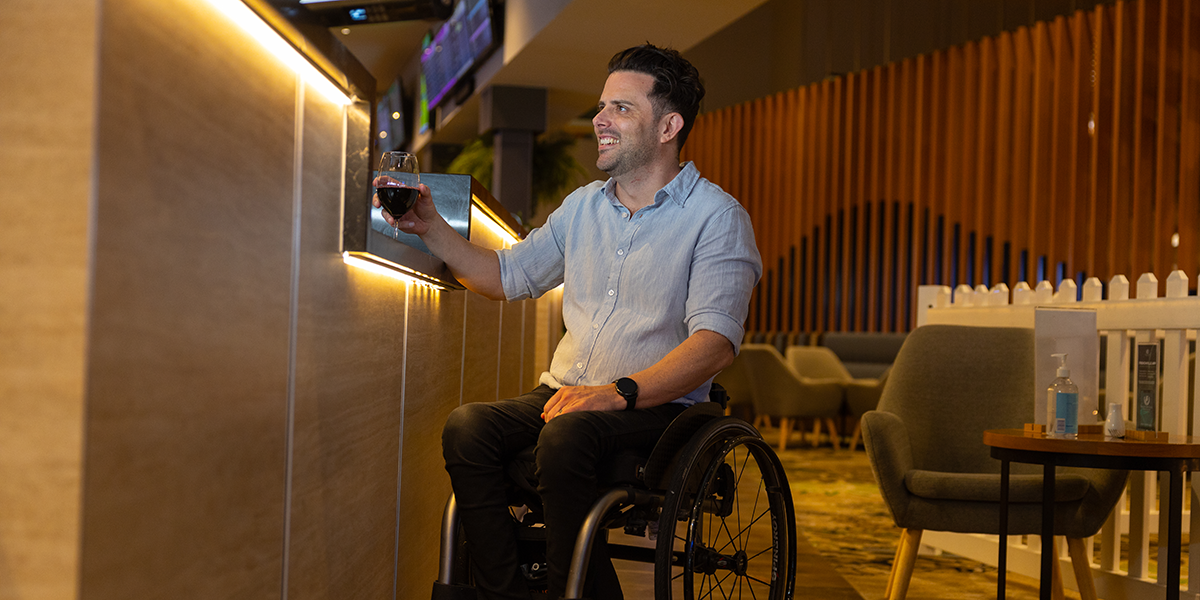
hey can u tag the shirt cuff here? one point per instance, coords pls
(719, 323)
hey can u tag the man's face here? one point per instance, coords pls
(626, 127)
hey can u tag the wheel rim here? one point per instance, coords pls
(737, 542)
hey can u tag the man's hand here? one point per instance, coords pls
(474, 266)
(418, 219)
(573, 398)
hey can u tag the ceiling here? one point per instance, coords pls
(560, 45)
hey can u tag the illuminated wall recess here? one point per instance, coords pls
(368, 241)
(344, 81)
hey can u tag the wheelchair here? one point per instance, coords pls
(712, 493)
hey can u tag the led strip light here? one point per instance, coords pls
(250, 22)
(271, 41)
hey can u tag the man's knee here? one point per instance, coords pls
(465, 428)
(566, 443)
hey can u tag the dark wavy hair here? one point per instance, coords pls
(677, 85)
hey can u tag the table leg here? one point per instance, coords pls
(1175, 527)
(1002, 559)
(1048, 556)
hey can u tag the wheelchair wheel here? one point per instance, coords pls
(728, 528)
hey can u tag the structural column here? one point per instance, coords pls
(516, 115)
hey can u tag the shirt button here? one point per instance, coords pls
(578, 365)
(610, 292)
(620, 253)
(595, 326)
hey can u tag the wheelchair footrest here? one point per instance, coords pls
(442, 591)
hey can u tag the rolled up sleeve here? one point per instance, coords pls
(534, 265)
(725, 268)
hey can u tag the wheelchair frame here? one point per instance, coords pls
(685, 478)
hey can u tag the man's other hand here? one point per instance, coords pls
(573, 398)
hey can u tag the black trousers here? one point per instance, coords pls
(479, 438)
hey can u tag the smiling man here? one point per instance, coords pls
(657, 265)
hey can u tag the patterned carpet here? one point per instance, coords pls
(847, 540)
(841, 514)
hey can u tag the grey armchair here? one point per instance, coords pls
(736, 381)
(861, 394)
(925, 445)
(779, 391)
(819, 364)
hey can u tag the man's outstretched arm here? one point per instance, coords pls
(474, 266)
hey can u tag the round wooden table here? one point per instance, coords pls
(1175, 456)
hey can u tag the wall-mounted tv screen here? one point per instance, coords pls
(391, 131)
(422, 107)
(458, 46)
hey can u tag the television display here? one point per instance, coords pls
(391, 131)
(459, 45)
(358, 12)
(423, 107)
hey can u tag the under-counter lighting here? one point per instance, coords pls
(364, 260)
(493, 222)
(379, 266)
(270, 40)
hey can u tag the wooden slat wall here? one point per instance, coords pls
(1068, 149)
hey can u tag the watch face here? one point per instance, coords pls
(626, 386)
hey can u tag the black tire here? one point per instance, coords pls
(728, 527)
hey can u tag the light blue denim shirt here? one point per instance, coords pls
(634, 289)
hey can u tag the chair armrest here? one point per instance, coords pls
(890, 453)
(863, 395)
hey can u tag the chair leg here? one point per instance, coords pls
(816, 434)
(785, 424)
(762, 421)
(902, 566)
(854, 436)
(1083, 568)
(1056, 580)
(887, 592)
(833, 433)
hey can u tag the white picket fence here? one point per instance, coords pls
(1172, 319)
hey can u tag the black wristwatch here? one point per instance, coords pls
(628, 390)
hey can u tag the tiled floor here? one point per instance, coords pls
(847, 540)
(815, 578)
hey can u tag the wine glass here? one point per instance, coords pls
(396, 184)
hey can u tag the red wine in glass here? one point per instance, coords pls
(397, 200)
(397, 183)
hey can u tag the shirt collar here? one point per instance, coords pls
(678, 189)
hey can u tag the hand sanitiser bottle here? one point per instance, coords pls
(1063, 395)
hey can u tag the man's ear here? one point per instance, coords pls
(669, 127)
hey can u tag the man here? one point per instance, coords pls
(657, 265)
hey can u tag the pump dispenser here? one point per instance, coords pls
(1063, 399)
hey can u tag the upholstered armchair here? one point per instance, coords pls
(861, 394)
(779, 391)
(925, 445)
(736, 380)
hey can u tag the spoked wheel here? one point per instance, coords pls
(732, 532)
